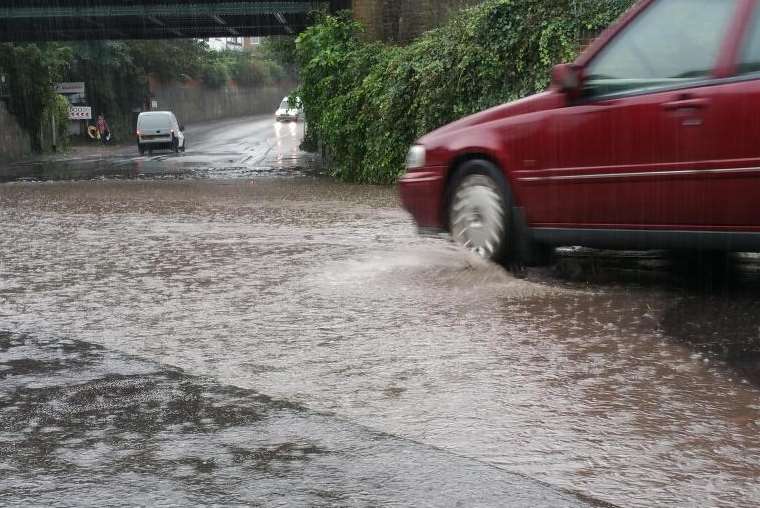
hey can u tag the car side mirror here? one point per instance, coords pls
(567, 78)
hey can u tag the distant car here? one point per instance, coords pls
(286, 113)
(650, 140)
(159, 130)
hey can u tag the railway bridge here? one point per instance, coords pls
(42, 20)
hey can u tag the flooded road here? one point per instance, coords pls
(608, 382)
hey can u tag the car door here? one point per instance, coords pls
(615, 157)
(723, 145)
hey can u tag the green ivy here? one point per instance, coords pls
(59, 108)
(366, 102)
(32, 70)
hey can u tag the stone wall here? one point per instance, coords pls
(14, 142)
(192, 102)
(402, 20)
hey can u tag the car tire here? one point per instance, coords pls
(141, 149)
(482, 218)
(479, 210)
(175, 145)
(184, 145)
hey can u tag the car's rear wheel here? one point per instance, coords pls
(479, 211)
(141, 149)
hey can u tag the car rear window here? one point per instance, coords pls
(154, 121)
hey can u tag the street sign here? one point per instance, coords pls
(80, 113)
(76, 87)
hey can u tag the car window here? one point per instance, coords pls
(749, 58)
(671, 43)
(154, 121)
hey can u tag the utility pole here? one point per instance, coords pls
(52, 121)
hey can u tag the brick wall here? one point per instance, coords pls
(402, 20)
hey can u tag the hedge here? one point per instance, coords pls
(366, 102)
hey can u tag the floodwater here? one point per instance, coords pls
(617, 383)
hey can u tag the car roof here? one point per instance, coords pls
(156, 113)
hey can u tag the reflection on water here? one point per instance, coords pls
(238, 148)
(320, 293)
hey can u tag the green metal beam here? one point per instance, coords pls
(184, 10)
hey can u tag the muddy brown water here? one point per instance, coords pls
(321, 293)
(615, 378)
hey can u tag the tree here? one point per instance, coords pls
(32, 70)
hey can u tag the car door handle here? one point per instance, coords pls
(691, 103)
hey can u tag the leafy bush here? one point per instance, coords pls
(32, 70)
(367, 102)
(246, 67)
(250, 69)
(169, 60)
(59, 108)
(114, 82)
(280, 48)
(216, 74)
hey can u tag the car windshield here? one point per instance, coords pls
(285, 104)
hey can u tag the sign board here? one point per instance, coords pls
(80, 113)
(76, 87)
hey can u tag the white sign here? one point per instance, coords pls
(76, 87)
(80, 113)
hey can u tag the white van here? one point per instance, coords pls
(158, 130)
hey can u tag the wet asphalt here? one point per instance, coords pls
(229, 327)
(85, 426)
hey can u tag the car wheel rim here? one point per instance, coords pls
(477, 216)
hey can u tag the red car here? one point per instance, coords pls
(651, 139)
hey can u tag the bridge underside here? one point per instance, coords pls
(41, 20)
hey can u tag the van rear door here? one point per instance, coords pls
(155, 127)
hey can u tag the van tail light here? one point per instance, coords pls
(138, 133)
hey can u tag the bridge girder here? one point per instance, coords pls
(38, 20)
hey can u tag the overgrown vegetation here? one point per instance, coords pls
(245, 67)
(32, 70)
(367, 102)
